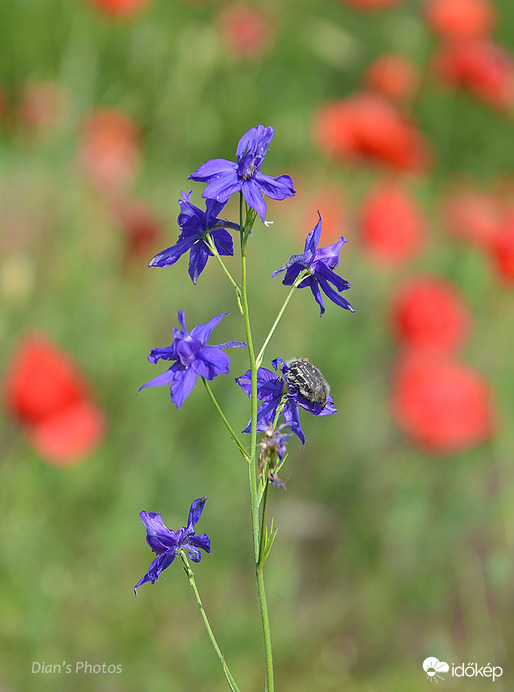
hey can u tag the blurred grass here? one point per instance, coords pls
(385, 555)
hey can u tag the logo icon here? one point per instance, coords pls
(432, 667)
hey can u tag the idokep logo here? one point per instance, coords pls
(433, 667)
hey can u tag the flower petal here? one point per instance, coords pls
(330, 253)
(221, 187)
(269, 386)
(158, 565)
(168, 257)
(200, 253)
(254, 198)
(162, 380)
(158, 537)
(166, 353)
(279, 188)
(256, 141)
(202, 541)
(202, 332)
(182, 322)
(195, 512)
(323, 273)
(223, 241)
(292, 418)
(314, 286)
(212, 169)
(231, 344)
(334, 296)
(210, 362)
(182, 386)
(193, 553)
(312, 241)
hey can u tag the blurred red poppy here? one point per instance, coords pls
(392, 75)
(502, 249)
(461, 19)
(44, 106)
(392, 227)
(120, 9)
(372, 4)
(246, 30)
(441, 404)
(368, 127)
(429, 314)
(109, 152)
(480, 67)
(46, 392)
(141, 227)
(474, 216)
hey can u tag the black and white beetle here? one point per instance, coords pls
(308, 381)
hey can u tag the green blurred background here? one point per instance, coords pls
(385, 554)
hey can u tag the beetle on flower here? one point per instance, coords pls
(275, 389)
(224, 177)
(192, 357)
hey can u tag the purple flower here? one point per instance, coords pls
(320, 262)
(271, 387)
(166, 543)
(224, 177)
(194, 225)
(192, 357)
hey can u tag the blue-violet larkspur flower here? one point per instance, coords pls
(166, 543)
(191, 357)
(320, 262)
(194, 225)
(271, 388)
(224, 177)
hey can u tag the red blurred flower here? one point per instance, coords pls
(480, 67)
(109, 153)
(441, 404)
(246, 30)
(141, 227)
(474, 216)
(392, 226)
(502, 249)
(392, 75)
(372, 4)
(461, 19)
(46, 392)
(369, 127)
(429, 314)
(44, 106)
(120, 9)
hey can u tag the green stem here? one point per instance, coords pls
(252, 469)
(260, 564)
(298, 280)
(229, 276)
(218, 408)
(219, 653)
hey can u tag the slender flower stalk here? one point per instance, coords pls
(256, 531)
(298, 281)
(191, 579)
(233, 434)
(223, 266)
